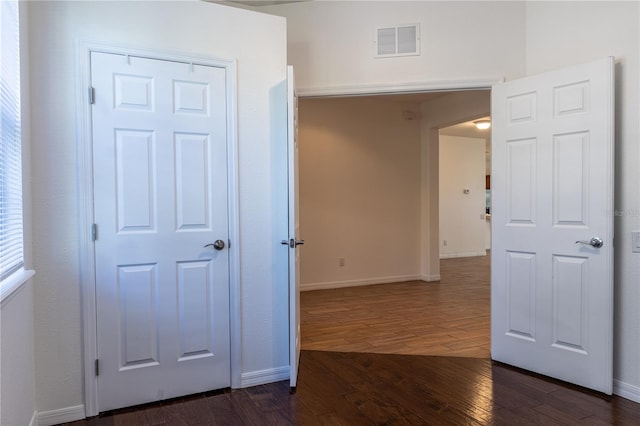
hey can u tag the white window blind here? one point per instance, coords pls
(11, 235)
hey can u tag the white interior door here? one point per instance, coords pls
(552, 186)
(294, 230)
(160, 195)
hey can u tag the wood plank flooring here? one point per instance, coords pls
(353, 377)
(450, 317)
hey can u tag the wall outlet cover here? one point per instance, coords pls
(635, 241)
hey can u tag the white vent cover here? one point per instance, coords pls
(399, 40)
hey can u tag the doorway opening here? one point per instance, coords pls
(366, 201)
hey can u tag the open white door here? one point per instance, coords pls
(552, 198)
(294, 230)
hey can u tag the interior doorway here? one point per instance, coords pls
(360, 323)
(464, 189)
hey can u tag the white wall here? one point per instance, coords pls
(330, 43)
(359, 192)
(565, 33)
(258, 43)
(17, 386)
(462, 223)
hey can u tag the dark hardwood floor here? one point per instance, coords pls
(337, 388)
(398, 354)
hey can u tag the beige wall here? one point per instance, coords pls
(462, 222)
(359, 192)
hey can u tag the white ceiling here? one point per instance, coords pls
(467, 130)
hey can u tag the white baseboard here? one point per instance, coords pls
(34, 419)
(357, 283)
(430, 278)
(626, 390)
(61, 415)
(467, 254)
(261, 377)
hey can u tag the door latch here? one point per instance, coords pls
(292, 243)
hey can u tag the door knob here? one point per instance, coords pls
(593, 242)
(218, 245)
(292, 243)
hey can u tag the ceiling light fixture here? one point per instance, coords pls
(482, 124)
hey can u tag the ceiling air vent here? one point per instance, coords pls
(400, 40)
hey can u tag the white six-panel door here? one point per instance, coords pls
(552, 192)
(160, 188)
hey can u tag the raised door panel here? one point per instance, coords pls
(571, 179)
(193, 174)
(136, 183)
(137, 319)
(570, 301)
(195, 310)
(521, 295)
(521, 108)
(570, 99)
(191, 97)
(521, 182)
(133, 92)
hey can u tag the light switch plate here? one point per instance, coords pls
(635, 241)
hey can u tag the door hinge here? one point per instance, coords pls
(94, 231)
(97, 365)
(92, 95)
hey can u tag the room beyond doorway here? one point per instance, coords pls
(365, 176)
(369, 174)
(464, 189)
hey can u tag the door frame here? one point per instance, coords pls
(86, 211)
(430, 254)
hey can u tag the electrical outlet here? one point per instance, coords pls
(444, 243)
(635, 241)
(341, 262)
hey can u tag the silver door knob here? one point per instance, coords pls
(218, 245)
(292, 243)
(593, 242)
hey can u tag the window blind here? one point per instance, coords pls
(11, 234)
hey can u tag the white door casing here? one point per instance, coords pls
(160, 195)
(294, 229)
(552, 185)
